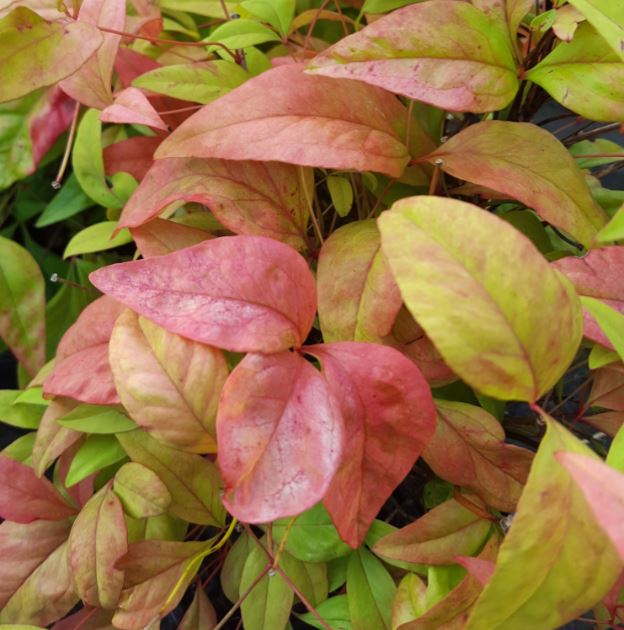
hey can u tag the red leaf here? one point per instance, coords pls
(479, 568)
(280, 437)
(134, 156)
(24, 497)
(286, 115)
(130, 64)
(91, 84)
(389, 419)
(50, 121)
(608, 388)
(599, 275)
(240, 293)
(82, 370)
(265, 199)
(603, 489)
(132, 107)
(158, 237)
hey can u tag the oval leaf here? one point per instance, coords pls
(96, 238)
(141, 491)
(442, 254)
(280, 435)
(240, 293)
(289, 116)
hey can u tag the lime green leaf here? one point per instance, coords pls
(97, 238)
(590, 147)
(615, 457)
(97, 419)
(442, 254)
(67, 202)
(242, 33)
(208, 8)
(22, 305)
(610, 321)
(614, 230)
(141, 491)
(32, 396)
(335, 611)
(370, 591)
(21, 449)
(607, 17)
(199, 83)
(600, 356)
(230, 576)
(585, 75)
(22, 415)
(385, 6)
(341, 194)
(546, 571)
(96, 453)
(278, 13)
(35, 53)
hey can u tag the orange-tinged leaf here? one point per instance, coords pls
(497, 333)
(469, 450)
(546, 569)
(280, 436)
(446, 531)
(479, 568)
(24, 497)
(98, 539)
(134, 155)
(603, 489)
(599, 275)
(609, 422)
(141, 491)
(529, 164)
(86, 619)
(288, 116)
(422, 51)
(35, 53)
(262, 198)
(91, 85)
(131, 107)
(82, 370)
(192, 481)
(158, 237)
(169, 385)
(358, 299)
(608, 388)
(239, 293)
(389, 418)
(200, 615)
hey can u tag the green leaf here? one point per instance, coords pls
(610, 321)
(335, 611)
(96, 238)
(614, 230)
(232, 570)
(35, 53)
(32, 396)
(22, 415)
(600, 356)
(311, 536)
(585, 75)
(455, 259)
(590, 147)
(615, 457)
(97, 419)
(546, 572)
(242, 33)
(198, 83)
(208, 8)
(67, 202)
(370, 592)
(278, 13)
(385, 6)
(141, 491)
(97, 452)
(21, 449)
(607, 17)
(22, 305)
(341, 194)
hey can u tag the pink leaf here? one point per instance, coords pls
(132, 107)
(240, 293)
(280, 437)
(91, 84)
(479, 568)
(288, 116)
(24, 497)
(134, 156)
(50, 121)
(599, 275)
(389, 419)
(603, 489)
(158, 237)
(82, 370)
(265, 199)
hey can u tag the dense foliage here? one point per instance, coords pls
(321, 323)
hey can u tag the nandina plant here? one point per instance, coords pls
(339, 335)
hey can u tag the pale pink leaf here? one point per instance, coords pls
(132, 107)
(479, 568)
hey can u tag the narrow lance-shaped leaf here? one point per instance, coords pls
(280, 437)
(288, 116)
(22, 305)
(452, 257)
(531, 165)
(240, 293)
(554, 537)
(98, 539)
(35, 53)
(389, 419)
(169, 385)
(421, 51)
(200, 615)
(262, 198)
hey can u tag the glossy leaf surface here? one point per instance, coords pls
(242, 293)
(502, 346)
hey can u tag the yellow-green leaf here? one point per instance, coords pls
(610, 321)
(341, 194)
(614, 230)
(97, 238)
(607, 17)
(469, 279)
